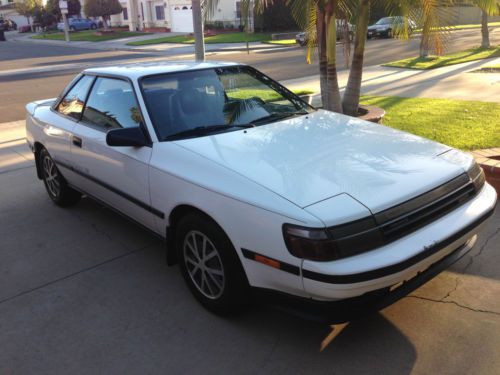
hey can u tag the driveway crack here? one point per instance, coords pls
(456, 304)
(74, 274)
(483, 246)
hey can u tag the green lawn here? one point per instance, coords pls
(88, 36)
(465, 27)
(467, 125)
(267, 95)
(219, 38)
(283, 42)
(432, 62)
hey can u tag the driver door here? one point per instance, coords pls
(118, 176)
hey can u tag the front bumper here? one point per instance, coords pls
(375, 33)
(336, 312)
(401, 260)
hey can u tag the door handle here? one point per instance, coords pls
(77, 141)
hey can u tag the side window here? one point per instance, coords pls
(111, 105)
(73, 101)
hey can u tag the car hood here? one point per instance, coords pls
(311, 158)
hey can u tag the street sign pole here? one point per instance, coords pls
(63, 6)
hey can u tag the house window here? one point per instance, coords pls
(160, 12)
(125, 14)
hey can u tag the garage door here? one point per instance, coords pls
(182, 19)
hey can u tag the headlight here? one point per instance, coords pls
(327, 244)
(476, 175)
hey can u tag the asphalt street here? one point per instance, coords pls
(281, 64)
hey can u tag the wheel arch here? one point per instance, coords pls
(173, 220)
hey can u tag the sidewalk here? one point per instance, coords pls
(451, 82)
(168, 48)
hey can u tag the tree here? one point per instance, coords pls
(488, 8)
(102, 8)
(74, 8)
(28, 9)
(432, 16)
(321, 18)
(199, 39)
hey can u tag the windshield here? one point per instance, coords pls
(202, 102)
(385, 21)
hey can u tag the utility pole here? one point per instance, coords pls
(63, 6)
(199, 42)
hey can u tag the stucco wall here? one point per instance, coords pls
(469, 15)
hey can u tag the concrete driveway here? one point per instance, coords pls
(83, 291)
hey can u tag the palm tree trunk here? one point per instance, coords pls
(424, 39)
(332, 84)
(353, 90)
(321, 36)
(484, 30)
(199, 42)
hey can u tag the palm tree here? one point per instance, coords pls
(488, 8)
(199, 40)
(432, 16)
(319, 19)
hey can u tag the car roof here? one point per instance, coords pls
(138, 70)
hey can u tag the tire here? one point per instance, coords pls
(389, 34)
(72, 28)
(221, 285)
(93, 26)
(55, 184)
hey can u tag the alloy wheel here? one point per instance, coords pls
(51, 176)
(204, 264)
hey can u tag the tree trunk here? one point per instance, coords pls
(353, 90)
(484, 30)
(321, 41)
(28, 18)
(199, 42)
(334, 102)
(424, 39)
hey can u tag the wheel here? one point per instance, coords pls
(210, 265)
(57, 187)
(93, 26)
(389, 33)
(72, 28)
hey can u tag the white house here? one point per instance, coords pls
(8, 12)
(175, 15)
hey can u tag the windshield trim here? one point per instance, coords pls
(274, 84)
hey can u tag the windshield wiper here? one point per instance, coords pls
(278, 116)
(206, 130)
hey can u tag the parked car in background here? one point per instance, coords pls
(76, 24)
(387, 27)
(7, 25)
(24, 29)
(256, 192)
(342, 25)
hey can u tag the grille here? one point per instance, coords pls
(430, 207)
(384, 227)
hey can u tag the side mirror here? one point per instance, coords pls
(132, 137)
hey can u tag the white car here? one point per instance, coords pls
(254, 190)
